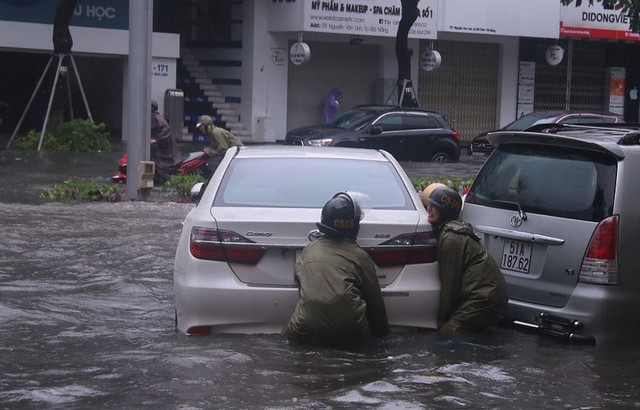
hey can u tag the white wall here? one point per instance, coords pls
(521, 18)
(264, 75)
(37, 37)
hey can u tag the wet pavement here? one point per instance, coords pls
(87, 319)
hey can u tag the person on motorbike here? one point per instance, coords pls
(164, 150)
(221, 139)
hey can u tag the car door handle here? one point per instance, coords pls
(362, 139)
(522, 236)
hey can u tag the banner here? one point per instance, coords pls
(356, 17)
(600, 21)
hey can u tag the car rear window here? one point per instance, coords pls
(309, 183)
(554, 181)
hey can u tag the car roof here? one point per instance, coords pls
(609, 139)
(384, 108)
(296, 151)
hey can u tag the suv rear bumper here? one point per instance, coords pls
(602, 310)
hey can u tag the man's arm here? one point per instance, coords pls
(451, 263)
(376, 310)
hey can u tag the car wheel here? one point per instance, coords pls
(441, 157)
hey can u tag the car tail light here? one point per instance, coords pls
(224, 246)
(456, 134)
(600, 265)
(406, 249)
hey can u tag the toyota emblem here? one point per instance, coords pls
(516, 221)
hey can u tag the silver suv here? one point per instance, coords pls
(558, 208)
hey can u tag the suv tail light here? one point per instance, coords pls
(406, 249)
(224, 246)
(456, 134)
(600, 264)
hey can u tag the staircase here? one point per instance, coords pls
(210, 78)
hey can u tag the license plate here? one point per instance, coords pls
(516, 256)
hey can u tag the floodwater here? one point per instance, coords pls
(87, 320)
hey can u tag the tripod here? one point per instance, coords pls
(58, 73)
(407, 92)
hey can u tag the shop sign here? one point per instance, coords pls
(520, 18)
(554, 55)
(430, 60)
(299, 53)
(355, 17)
(602, 20)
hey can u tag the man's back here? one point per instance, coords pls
(340, 300)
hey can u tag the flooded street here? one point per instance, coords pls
(87, 319)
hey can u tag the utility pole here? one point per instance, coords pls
(139, 93)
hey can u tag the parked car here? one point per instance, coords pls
(559, 212)
(480, 145)
(235, 256)
(409, 134)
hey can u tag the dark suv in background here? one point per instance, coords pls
(409, 134)
(480, 145)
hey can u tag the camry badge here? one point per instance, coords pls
(254, 233)
(516, 221)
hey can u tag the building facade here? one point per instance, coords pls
(241, 61)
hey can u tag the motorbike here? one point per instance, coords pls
(194, 163)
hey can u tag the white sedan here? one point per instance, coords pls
(235, 257)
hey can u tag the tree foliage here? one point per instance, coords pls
(629, 7)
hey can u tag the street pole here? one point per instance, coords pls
(139, 93)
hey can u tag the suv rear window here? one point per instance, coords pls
(309, 183)
(550, 180)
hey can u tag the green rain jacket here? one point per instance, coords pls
(472, 292)
(340, 301)
(222, 140)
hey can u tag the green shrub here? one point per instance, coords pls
(83, 191)
(182, 183)
(461, 184)
(73, 136)
(28, 142)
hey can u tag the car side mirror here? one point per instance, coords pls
(376, 130)
(196, 191)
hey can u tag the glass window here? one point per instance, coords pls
(420, 122)
(554, 181)
(390, 122)
(309, 183)
(593, 119)
(353, 119)
(529, 120)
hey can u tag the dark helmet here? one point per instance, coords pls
(341, 216)
(448, 202)
(154, 106)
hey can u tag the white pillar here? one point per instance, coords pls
(139, 86)
(265, 61)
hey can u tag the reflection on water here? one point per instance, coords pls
(87, 319)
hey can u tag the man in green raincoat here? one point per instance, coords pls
(472, 287)
(340, 301)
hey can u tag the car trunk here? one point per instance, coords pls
(538, 268)
(536, 207)
(284, 236)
